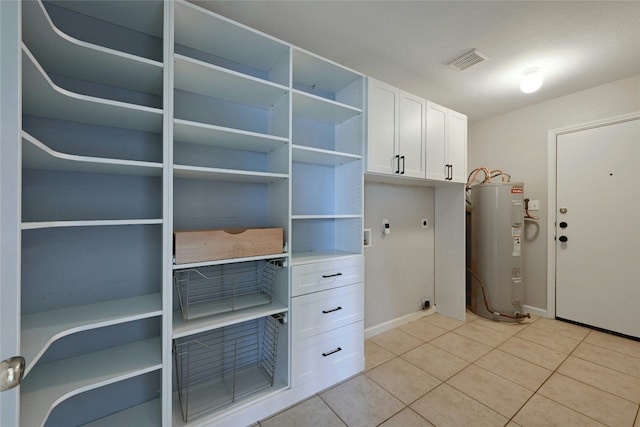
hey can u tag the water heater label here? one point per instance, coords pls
(517, 189)
(516, 246)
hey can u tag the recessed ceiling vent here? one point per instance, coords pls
(467, 60)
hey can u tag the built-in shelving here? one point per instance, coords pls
(62, 54)
(218, 136)
(313, 107)
(48, 385)
(40, 330)
(183, 328)
(204, 35)
(44, 98)
(36, 155)
(202, 78)
(215, 174)
(320, 156)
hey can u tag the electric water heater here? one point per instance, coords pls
(497, 227)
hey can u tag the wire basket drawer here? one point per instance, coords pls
(219, 367)
(223, 288)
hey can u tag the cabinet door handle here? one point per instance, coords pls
(332, 310)
(331, 352)
(450, 172)
(402, 158)
(397, 157)
(326, 276)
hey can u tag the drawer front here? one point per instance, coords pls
(320, 276)
(323, 311)
(327, 353)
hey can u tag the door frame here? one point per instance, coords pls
(551, 196)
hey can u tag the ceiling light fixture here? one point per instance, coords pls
(531, 80)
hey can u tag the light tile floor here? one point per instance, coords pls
(437, 371)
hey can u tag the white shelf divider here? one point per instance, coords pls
(36, 155)
(319, 256)
(222, 137)
(199, 77)
(44, 98)
(319, 156)
(229, 261)
(40, 330)
(182, 328)
(62, 54)
(88, 223)
(232, 175)
(50, 384)
(321, 109)
(200, 29)
(331, 216)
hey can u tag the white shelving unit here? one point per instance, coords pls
(231, 156)
(326, 159)
(92, 216)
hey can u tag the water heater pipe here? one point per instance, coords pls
(486, 301)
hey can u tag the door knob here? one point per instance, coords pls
(563, 238)
(563, 224)
(11, 372)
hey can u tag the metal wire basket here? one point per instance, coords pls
(223, 288)
(219, 367)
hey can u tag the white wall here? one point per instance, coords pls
(399, 267)
(516, 142)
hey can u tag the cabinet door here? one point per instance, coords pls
(411, 137)
(457, 146)
(382, 128)
(436, 141)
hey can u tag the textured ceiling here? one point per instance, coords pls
(577, 44)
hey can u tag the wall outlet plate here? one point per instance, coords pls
(534, 205)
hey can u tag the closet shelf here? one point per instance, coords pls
(222, 137)
(331, 216)
(202, 30)
(87, 223)
(320, 256)
(40, 330)
(313, 107)
(62, 54)
(148, 414)
(322, 75)
(319, 156)
(50, 384)
(228, 261)
(46, 99)
(182, 328)
(192, 75)
(230, 175)
(36, 155)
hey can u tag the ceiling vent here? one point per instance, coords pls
(467, 60)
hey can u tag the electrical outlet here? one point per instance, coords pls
(534, 205)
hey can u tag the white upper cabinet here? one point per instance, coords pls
(446, 144)
(396, 124)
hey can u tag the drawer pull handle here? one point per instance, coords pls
(331, 352)
(331, 311)
(326, 276)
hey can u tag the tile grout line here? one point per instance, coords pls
(545, 381)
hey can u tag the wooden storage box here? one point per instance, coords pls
(210, 245)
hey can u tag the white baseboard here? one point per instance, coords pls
(534, 310)
(394, 323)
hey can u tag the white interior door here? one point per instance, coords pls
(598, 213)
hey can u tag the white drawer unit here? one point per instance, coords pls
(320, 276)
(323, 311)
(331, 353)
